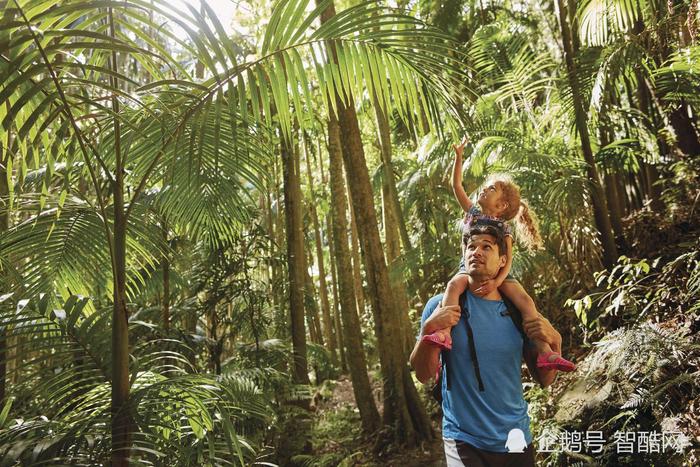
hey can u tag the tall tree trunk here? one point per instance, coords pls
(281, 329)
(213, 334)
(646, 99)
(636, 192)
(336, 299)
(312, 315)
(334, 271)
(397, 383)
(352, 333)
(296, 261)
(610, 183)
(393, 223)
(295, 428)
(600, 210)
(165, 265)
(328, 327)
(122, 423)
(356, 263)
(272, 267)
(614, 204)
(121, 418)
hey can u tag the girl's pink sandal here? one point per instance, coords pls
(441, 340)
(558, 363)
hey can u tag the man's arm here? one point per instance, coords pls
(540, 328)
(425, 357)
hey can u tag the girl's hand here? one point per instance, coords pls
(459, 148)
(540, 328)
(486, 287)
(443, 317)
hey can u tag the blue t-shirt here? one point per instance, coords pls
(483, 418)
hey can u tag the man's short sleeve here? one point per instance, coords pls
(427, 311)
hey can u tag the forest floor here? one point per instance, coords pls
(339, 441)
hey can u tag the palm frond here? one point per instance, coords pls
(601, 20)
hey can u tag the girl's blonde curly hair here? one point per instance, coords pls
(518, 210)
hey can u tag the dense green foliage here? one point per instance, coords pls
(145, 140)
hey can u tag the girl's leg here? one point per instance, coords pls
(456, 287)
(546, 358)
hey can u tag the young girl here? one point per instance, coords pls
(499, 201)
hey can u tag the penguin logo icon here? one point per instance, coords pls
(516, 441)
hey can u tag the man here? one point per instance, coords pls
(483, 412)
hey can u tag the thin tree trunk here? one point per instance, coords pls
(296, 261)
(334, 272)
(652, 174)
(328, 327)
(600, 210)
(621, 195)
(336, 302)
(393, 220)
(282, 330)
(121, 412)
(272, 267)
(312, 315)
(121, 418)
(636, 192)
(610, 185)
(166, 282)
(646, 99)
(356, 263)
(352, 334)
(295, 429)
(614, 204)
(213, 334)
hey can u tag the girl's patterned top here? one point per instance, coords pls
(475, 216)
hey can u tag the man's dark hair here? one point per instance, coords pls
(484, 229)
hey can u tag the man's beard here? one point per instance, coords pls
(480, 275)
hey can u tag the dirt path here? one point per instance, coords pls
(358, 449)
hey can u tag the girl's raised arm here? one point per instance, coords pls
(457, 187)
